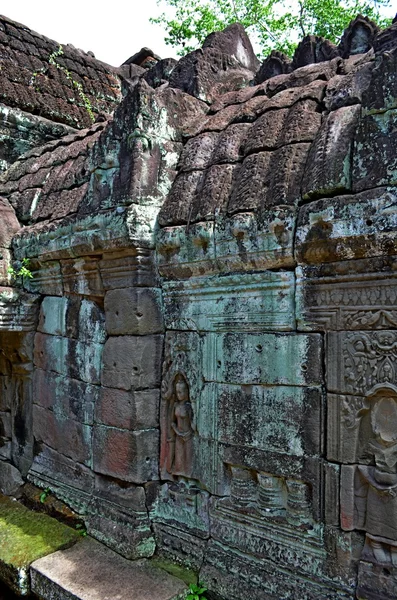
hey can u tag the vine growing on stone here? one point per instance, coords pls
(52, 60)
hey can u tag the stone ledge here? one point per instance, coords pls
(90, 571)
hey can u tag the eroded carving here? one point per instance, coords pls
(180, 428)
(369, 360)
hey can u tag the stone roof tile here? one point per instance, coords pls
(28, 81)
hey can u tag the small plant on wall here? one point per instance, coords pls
(21, 273)
(196, 592)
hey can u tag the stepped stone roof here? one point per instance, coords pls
(242, 145)
(29, 82)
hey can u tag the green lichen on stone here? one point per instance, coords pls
(186, 575)
(146, 547)
(26, 536)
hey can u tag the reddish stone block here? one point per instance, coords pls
(128, 410)
(66, 436)
(127, 455)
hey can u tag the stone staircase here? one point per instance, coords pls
(51, 561)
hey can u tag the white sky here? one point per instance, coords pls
(113, 29)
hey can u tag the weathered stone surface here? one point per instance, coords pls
(313, 49)
(232, 575)
(250, 358)
(269, 179)
(351, 295)
(359, 37)
(183, 506)
(179, 546)
(160, 72)
(349, 88)
(186, 251)
(285, 126)
(10, 479)
(325, 175)
(68, 357)
(381, 94)
(132, 362)
(128, 410)
(69, 398)
(239, 302)
(374, 158)
(197, 152)
(288, 411)
(56, 575)
(72, 482)
(72, 440)
(226, 62)
(127, 269)
(230, 144)
(133, 311)
(347, 227)
(302, 77)
(127, 455)
(277, 63)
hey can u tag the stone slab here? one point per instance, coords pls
(239, 302)
(105, 576)
(349, 295)
(256, 358)
(348, 227)
(25, 537)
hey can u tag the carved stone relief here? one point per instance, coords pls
(349, 301)
(178, 407)
(360, 362)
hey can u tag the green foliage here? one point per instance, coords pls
(81, 530)
(87, 104)
(44, 495)
(196, 592)
(272, 24)
(22, 272)
(52, 60)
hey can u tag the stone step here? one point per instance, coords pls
(24, 537)
(91, 571)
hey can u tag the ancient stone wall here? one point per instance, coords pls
(203, 364)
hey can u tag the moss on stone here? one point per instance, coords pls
(186, 575)
(26, 536)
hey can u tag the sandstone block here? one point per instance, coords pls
(72, 481)
(128, 410)
(252, 358)
(68, 437)
(328, 168)
(10, 479)
(56, 574)
(375, 149)
(293, 425)
(347, 227)
(133, 311)
(52, 318)
(269, 179)
(68, 357)
(70, 398)
(9, 223)
(132, 362)
(123, 270)
(127, 455)
(239, 301)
